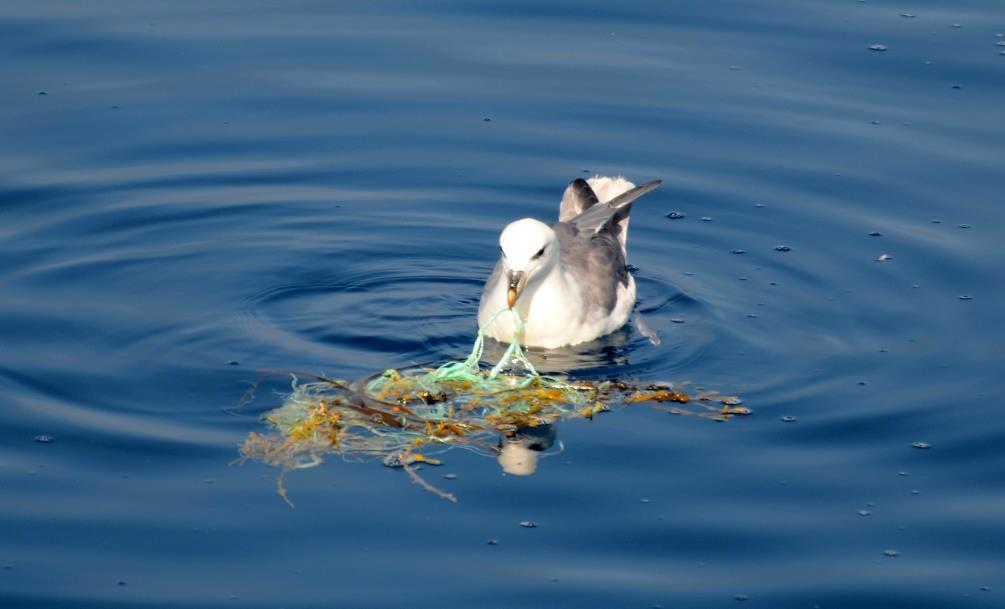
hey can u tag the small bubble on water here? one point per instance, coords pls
(1001, 44)
(864, 513)
(915, 492)
(966, 297)
(904, 474)
(877, 47)
(689, 273)
(783, 248)
(751, 315)
(891, 553)
(908, 15)
(1000, 35)
(741, 278)
(676, 320)
(741, 597)
(921, 445)
(875, 233)
(758, 205)
(675, 215)
(788, 419)
(645, 500)
(528, 524)
(734, 68)
(874, 122)
(44, 439)
(486, 120)
(936, 221)
(964, 226)
(233, 362)
(706, 218)
(450, 477)
(957, 25)
(738, 251)
(884, 258)
(492, 542)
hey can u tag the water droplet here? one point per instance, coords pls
(528, 524)
(957, 25)
(741, 597)
(44, 439)
(783, 248)
(645, 500)
(963, 226)
(864, 513)
(915, 492)
(884, 258)
(738, 251)
(233, 362)
(875, 233)
(936, 221)
(675, 215)
(904, 474)
(486, 120)
(966, 297)
(908, 15)
(874, 122)
(789, 419)
(689, 273)
(877, 47)
(676, 320)
(492, 542)
(752, 315)
(741, 278)
(734, 68)
(706, 218)
(921, 445)
(450, 477)
(891, 552)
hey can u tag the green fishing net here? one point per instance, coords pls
(413, 415)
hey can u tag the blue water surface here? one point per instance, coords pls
(194, 194)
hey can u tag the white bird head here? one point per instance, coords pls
(529, 250)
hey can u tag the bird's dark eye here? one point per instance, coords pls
(539, 253)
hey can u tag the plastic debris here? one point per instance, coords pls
(407, 417)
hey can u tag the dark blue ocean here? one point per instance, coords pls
(194, 195)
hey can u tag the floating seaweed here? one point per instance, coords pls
(404, 417)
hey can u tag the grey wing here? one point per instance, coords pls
(596, 262)
(577, 198)
(596, 217)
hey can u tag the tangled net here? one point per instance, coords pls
(398, 413)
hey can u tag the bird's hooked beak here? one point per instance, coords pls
(517, 282)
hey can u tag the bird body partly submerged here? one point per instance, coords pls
(569, 281)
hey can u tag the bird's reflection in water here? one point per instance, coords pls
(522, 446)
